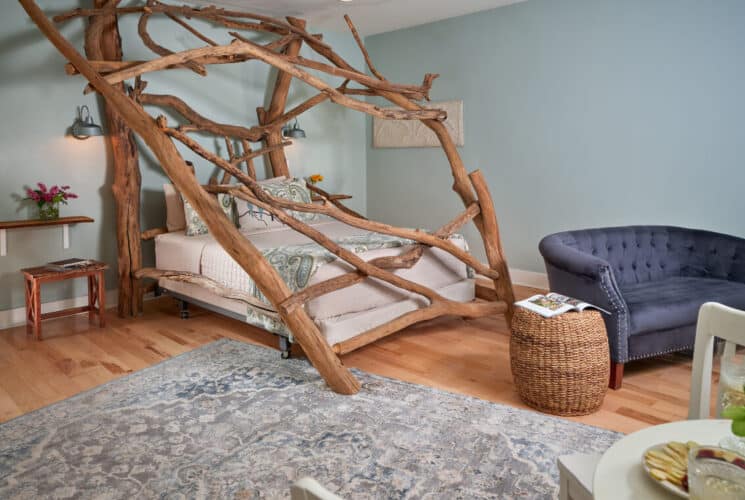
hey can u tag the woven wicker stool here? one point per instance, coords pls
(560, 365)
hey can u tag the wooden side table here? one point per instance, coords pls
(35, 276)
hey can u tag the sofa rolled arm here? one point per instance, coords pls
(589, 278)
(571, 260)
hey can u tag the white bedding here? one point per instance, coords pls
(203, 255)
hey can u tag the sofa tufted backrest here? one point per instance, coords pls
(639, 254)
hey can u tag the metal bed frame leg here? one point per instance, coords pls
(284, 347)
(183, 307)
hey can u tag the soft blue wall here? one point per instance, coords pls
(38, 102)
(580, 113)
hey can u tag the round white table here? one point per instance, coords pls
(619, 474)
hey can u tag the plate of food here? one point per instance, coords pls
(667, 465)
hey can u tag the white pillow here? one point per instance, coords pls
(252, 218)
(175, 212)
(195, 226)
(175, 219)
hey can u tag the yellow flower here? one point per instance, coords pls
(316, 178)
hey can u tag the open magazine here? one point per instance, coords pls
(64, 265)
(554, 304)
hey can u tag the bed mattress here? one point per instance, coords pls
(203, 255)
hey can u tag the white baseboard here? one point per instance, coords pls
(17, 316)
(529, 278)
(525, 278)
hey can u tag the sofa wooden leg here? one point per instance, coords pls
(616, 375)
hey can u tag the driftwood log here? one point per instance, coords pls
(107, 71)
(197, 279)
(102, 42)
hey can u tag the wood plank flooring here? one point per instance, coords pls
(464, 356)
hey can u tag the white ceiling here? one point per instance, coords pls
(370, 16)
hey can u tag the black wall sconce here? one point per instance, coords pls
(294, 131)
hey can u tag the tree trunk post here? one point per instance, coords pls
(102, 42)
(277, 158)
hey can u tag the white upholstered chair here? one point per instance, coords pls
(714, 321)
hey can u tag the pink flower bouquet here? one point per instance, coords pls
(49, 199)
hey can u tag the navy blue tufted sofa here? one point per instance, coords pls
(653, 279)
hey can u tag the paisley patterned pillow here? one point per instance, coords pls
(195, 226)
(253, 218)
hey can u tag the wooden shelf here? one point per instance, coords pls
(16, 224)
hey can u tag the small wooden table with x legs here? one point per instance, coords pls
(35, 276)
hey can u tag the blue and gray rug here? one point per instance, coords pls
(232, 420)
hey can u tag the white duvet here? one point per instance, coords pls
(203, 255)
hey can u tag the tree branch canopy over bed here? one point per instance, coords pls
(106, 71)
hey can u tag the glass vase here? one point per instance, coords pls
(49, 211)
(731, 393)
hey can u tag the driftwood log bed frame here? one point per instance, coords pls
(106, 71)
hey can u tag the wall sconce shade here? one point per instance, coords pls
(83, 127)
(294, 131)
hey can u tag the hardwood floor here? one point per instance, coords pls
(465, 356)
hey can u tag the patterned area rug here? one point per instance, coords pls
(232, 420)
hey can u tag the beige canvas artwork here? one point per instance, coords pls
(414, 134)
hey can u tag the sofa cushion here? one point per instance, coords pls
(674, 302)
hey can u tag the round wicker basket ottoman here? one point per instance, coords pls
(560, 365)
